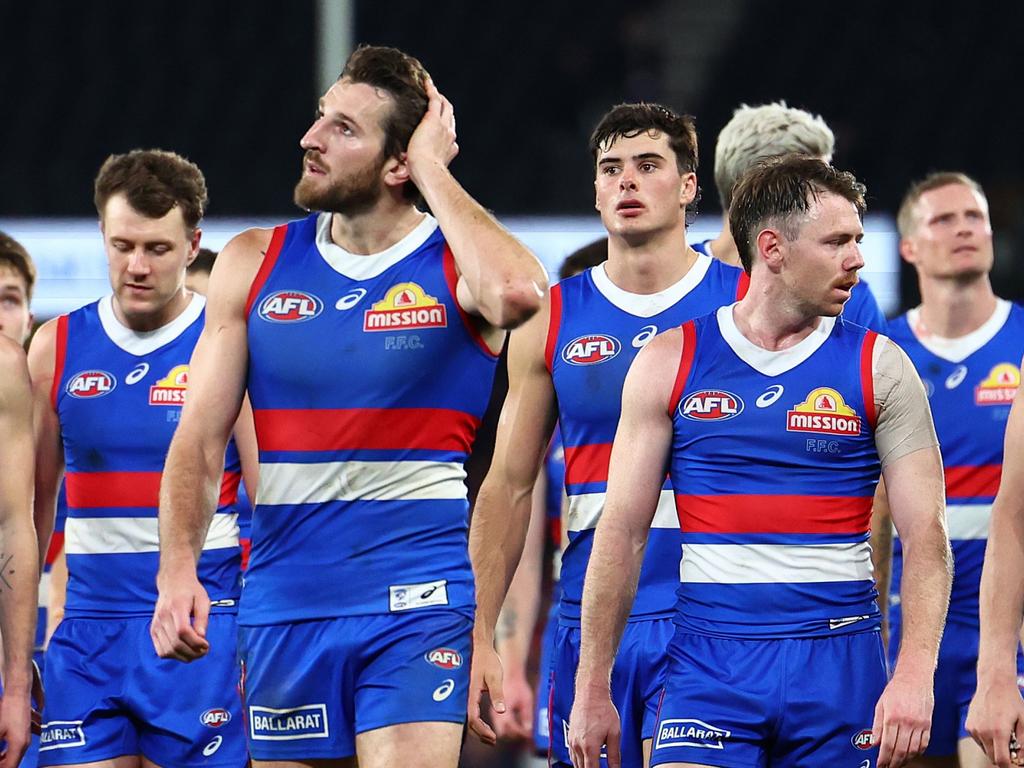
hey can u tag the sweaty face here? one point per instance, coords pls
(821, 263)
(146, 259)
(344, 160)
(639, 188)
(953, 235)
(15, 317)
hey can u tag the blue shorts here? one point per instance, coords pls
(955, 681)
(109, 694)
(541, 736)
(787, 703)
(309, 687)
(637, 679)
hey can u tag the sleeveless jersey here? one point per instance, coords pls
(118, 395)
(861, 308)
(367, 381)
(774, 468)
(970, 395)
(595, 332)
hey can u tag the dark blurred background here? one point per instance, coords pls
(908, 87)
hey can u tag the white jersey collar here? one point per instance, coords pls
(143, 342)
(959, 349)
(766, 361)
(650, 304)
(363, 267)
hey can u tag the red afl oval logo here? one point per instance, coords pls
(862, 740)
(215, 718)
(445, 658)
(588, 350)
(710, 405)
(91, 384)
(290, 307)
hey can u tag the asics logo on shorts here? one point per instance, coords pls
(444, 690)
(213, 746)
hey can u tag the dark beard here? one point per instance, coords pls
(356, 194)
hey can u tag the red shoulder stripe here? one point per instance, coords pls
(58, 362)
(269, 260)
(451, 276)
(554, 325)
(685, 362)
(867, 379)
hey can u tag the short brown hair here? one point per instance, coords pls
(153, 181)
(629, 120)
(780, 189)
(590, 255)
(14, 255)
(935, 180)
(203, 262)
(404, 78)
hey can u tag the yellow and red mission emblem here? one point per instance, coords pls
(825, 412)
(999, 387)
(170, 390)
(403, 307)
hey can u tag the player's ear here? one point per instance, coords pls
(907, 250)
(769, 248)
(688, 191)
(396, 171)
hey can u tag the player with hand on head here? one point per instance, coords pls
(366, 335)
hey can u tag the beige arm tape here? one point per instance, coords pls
(904, 423)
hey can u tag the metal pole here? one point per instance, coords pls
(335, 28)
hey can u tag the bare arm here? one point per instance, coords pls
(502, 512)
(248, 451)
(881, 555)
(997, 712)
(635, 477)
(915, 489)
(19, 565)
(49, 451)
(195, 462)
(517, 622)
(501, 280)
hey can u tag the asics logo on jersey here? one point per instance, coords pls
(769, 396)
(710, 405)
(91, 384)
(213, 746)
(444, 690)
(862, 739)
(290, 307)
(688, 732)
(647, 333)
(956, 377)
(137, 373)
(215, 718)
(349, 300)
(445, 658)
(591, 349)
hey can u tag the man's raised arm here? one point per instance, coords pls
(635, 477)
(502, 512)
(501, 280)
(195, 462)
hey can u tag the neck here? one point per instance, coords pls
(951, 309)
(650, 266)
(724, 247)
(374, 230)
(770, 318)
(151, 321)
